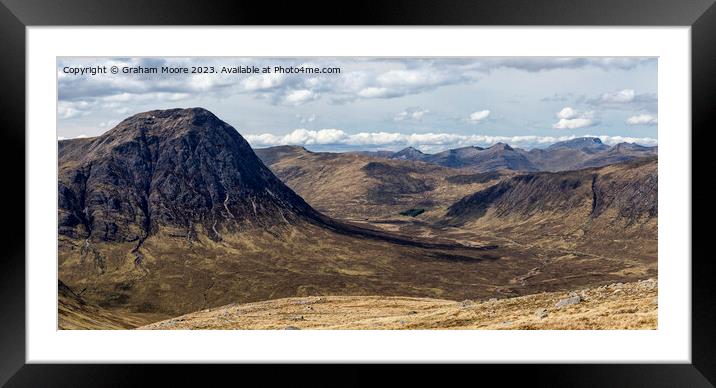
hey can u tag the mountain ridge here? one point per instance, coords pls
(581, 152)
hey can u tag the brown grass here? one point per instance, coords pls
(615, 306)
(75, 314)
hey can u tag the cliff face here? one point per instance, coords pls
(179, 169)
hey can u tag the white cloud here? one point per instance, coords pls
(570, 118)
(424, 141)
(299, 97)
(612, 140)
(73, 109)
(418, 115)
(265, 140)
(66, 112)
(375, 138)
(380, 78)
(642, 119)
(624, 99)
(536, 64)
(374, 92)
(68, 138)
(619, 96)
(567, 113)
(425, 77)
(307, 119)
(108, 124)
(573, 123)
(116, 104)
(476, 117)
(87, 100)
(300, 136)
(262, 82)
(411, 114)
(133, 97)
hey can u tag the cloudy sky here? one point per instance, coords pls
(429, 103)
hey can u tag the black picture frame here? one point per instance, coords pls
(16, 15)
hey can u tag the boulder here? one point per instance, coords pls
(573, 299)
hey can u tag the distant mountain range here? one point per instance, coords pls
(572, 154)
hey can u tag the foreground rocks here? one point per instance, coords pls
(573, 299)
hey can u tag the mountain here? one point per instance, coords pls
(585, 152)
(619, 153)
(175, 170)
(356, 186)
(272, 155)
(500, 156)
(602, 210)
(455, 158)
(586, 144)
(556, 159)
(409, 153)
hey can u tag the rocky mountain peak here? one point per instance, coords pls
(409, 153)
(501, 146)
(182, 170)
(584, 143)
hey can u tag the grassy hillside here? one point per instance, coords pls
(611, 307)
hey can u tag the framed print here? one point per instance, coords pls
(424, 184)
